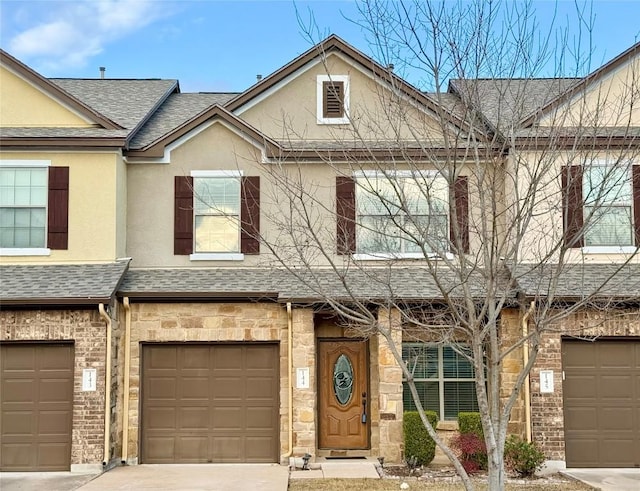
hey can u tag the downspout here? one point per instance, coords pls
(527, 389)
(107, 386)
(290, 377)
(127, 361)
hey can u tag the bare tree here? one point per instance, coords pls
(478, 201)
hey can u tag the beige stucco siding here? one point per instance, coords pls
(612, 101)
(290, 112)
(543, 233)
(24, 105)
(94, 208)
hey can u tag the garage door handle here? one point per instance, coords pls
(364, 407)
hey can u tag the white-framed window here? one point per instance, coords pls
(444, 378)
(216, 205)
(608, 206)
(401, 213)
(333, 100)
(23, 206)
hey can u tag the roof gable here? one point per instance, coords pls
(583, 87)
(66, 102)
(334, 44)
(157, 149)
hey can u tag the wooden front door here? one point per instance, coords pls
(343, 388)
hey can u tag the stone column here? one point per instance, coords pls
(389, 375)
(304, 400)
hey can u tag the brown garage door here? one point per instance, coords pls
(210, 403)
(36, 404)
(602, 403)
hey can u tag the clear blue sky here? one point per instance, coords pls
(212, 45)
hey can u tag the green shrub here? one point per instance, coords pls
(522, 457)
(470, 423)
(417, 442)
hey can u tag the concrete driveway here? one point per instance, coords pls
(38, 481)
(607, 479)
(193, 477)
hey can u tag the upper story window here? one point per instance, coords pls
(217, 215)
(608, 206)
(23, 207)
(402, 214)
(332, 94)
(444, 378)
(601, 207)
(216, 203)
(34, 207)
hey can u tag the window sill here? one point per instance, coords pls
(609, 249)
(25, 251)
(333, 120)
(397, 256)
(217, 256)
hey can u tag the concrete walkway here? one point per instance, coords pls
(338, 469)
(607, 479)
(193, 477)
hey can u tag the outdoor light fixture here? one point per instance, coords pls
(305, 461)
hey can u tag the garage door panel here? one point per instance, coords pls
(194, 418)
(229, 418)
(53, 454)
(616, 386)
(260, 418)
(18, 423)
(161, 418)
(161, 357)
(53, 423)
(19, 358)
(18, 390)
(585, 387)
(227, 448)
(228, 358)
(219, 406)
(193, 448)
(56, 360)
(55, 390)
(615, 418)
(601, 394)
(161, 449)
(260, 388)
(228, 388)
(159, 388)
(17, 456)
(194, 388)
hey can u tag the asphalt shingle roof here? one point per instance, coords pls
(60, 284)
(48, 132)
(580, 281)
(409, 283)
(505, 102)
(176, 110)
(126, 102)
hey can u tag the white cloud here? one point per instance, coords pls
(80, 29)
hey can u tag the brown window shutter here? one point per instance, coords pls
(58, 208)
(346, 215)
(572, 220)
(250, 215)
(460, 195)
(636, 202)
(332, 99)
(183, 216)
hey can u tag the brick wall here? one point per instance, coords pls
(86, 329)
(547, 409)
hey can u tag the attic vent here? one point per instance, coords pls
(333, 97)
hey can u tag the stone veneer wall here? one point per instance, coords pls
(390, 436)
(547, 409)
(214, 322)
(88, 332)
(512, 365)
